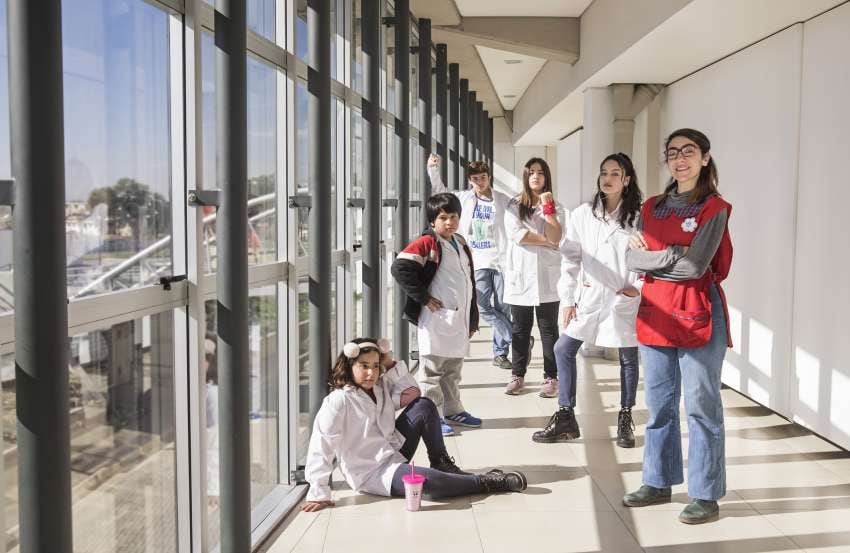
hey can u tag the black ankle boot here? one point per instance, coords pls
(625, 429)
(443, 462)
(562, 427)
(497, 481)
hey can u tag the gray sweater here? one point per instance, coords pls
(672, 263)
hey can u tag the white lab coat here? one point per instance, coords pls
(360, 434)
(531, 272)
(468, 199)
(593, 271)
(445, 332)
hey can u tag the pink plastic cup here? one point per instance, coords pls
(413, 490)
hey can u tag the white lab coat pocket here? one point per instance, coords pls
(447, 322)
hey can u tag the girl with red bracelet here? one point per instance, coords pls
(534, 224)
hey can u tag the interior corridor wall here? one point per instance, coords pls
(776, 114)
(569, 188)
(820, 376)
(508, 160)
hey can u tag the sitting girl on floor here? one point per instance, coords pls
(357, 425)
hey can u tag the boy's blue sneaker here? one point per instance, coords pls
(447, 430)
(464, 419)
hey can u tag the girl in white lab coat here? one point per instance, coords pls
(533, 225)
(600, 295)
(357, 426)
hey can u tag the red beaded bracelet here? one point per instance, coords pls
(549, 208)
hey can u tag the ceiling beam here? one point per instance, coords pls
(549, 38)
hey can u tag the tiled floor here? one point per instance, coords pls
(788, 489)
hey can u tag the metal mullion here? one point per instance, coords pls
(176, 6)
(348, 220)
(112, 308)
(179, 329)
(41, 355)
(190, 385)
(453, 150)
(267, 50)
(126, 317)
(463, 116)
(292, 377)
(442, 103)
(283, 221)
(268, 271)
(337, 89)
(114, 304)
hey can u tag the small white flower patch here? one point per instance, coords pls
(689, 224)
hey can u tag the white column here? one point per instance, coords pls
(597, 140)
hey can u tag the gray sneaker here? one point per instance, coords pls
(502, 362)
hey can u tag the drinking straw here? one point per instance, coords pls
(412, 471)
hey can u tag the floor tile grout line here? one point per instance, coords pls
(327, 529)
(477, 528)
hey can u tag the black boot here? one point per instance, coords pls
(562, 427)
(497, 481)
(625, 428)
(443, 462)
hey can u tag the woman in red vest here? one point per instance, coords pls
(684, 250)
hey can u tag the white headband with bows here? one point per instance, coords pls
(352, 350)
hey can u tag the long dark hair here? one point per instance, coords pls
(341, 374)
(707, 181)
(632, 197)
(525, 200)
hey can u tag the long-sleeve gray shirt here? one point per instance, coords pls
(672, 263)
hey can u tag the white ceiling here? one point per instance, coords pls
(701, 33)
(525, 8)
(509, 79)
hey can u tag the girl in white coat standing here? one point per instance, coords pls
(534, 225)
(600, 295)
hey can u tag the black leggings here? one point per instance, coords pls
(547, 322)
(421, 420)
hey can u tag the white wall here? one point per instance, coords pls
(820, 387)
(777, 114)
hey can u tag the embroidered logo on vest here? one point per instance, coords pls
(689, 224)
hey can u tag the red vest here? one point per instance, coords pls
(678, 314)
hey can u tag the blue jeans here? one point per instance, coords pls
(697, 370)
(566, 349)
(490, 287)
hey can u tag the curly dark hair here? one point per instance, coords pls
(632, 196)
(341, 374)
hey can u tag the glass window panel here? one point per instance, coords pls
(261, 17)
(264, 404)
(262, 162)
(262, 156)
(122, 430)
(6, 289)
(301, 29)
(303, 425)
(302, 185)
(263, 340)
(357, 48)
(389, 46)
(117, 144)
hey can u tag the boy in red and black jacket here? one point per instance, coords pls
(438, 277)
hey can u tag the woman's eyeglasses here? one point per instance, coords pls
(688, 150)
